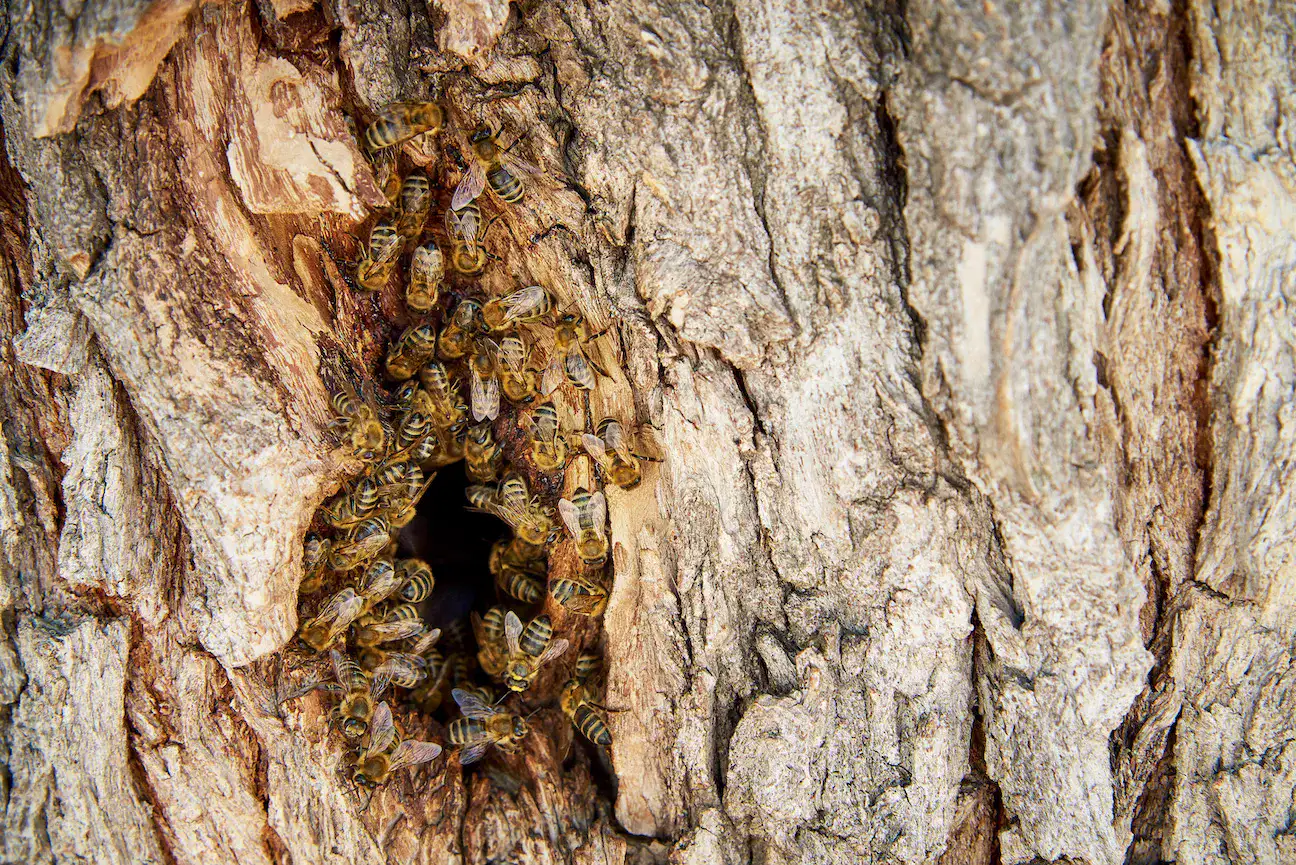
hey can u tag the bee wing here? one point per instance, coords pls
(485, 397)
(470, 186)
(513, 352)
(427, 641)
(519, 164)
(553, 375)
(553, 650)
(339, 671)
(382, 732)
(341, 609)
(584, 604)
(306, 688)
(471, 705)
(412, 752)
(472, 753)
(381, 681)
(598, 506)
(570, 516)
(594, 447)
(386, 632)
(512, 632)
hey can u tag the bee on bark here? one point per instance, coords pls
(517, 380)
(378, 258)
(427, 272)
(360, 544)
(483, 384)
(364, 434)
(494, 166)
(483, 725)
(416, 200)
(398, 122)
(580, 597)
(528, 649)
(315, 554)
(492, 652)
(332, 620)
(359, 694)
(548, 444)
(408, 353)
(459, 335)
(610, 449)
(466, 232)
(585, 516)
(387, 753)
(351, 505)
(416, 580)
(483, 453)
(526, 305)
(569, 359)
(578, 705)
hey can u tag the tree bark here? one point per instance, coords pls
(963, 329)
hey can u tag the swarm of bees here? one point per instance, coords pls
(467, 372)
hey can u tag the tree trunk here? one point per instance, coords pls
(962, 331)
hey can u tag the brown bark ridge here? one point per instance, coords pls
(962, 328)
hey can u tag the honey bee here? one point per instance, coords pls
(351, 505)
(357, 707)
(483, 385)
(430, 693)
(569, 359)
(387, 753)
(517, 381)
(416, 580)
(364, 433)
(513, 504)
(315, 553)
(494, 165)
(465, 230)
(585, 516)
(519, 555)
(587, 665)
(439, 399)
(523, 306)
(548, 444)
(482, 726)
(378, 258)
(483, 453)
(427, 271)
(520, 585)
(460, 333)
(610, 449)
(398, 122)
(414, 428)
(407, 354)
(378, 584)
(332, 620)
(416, 200)
(580, 597)
(360, 544)
(528, 649)
(492, 652)
(578, 705)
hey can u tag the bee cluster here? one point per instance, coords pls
(364, 606)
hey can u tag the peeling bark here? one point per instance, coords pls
(961, 329)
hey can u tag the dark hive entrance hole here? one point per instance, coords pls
(455, 541)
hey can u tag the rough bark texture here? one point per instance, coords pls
(964, 328)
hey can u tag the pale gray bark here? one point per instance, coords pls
(963, 328)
